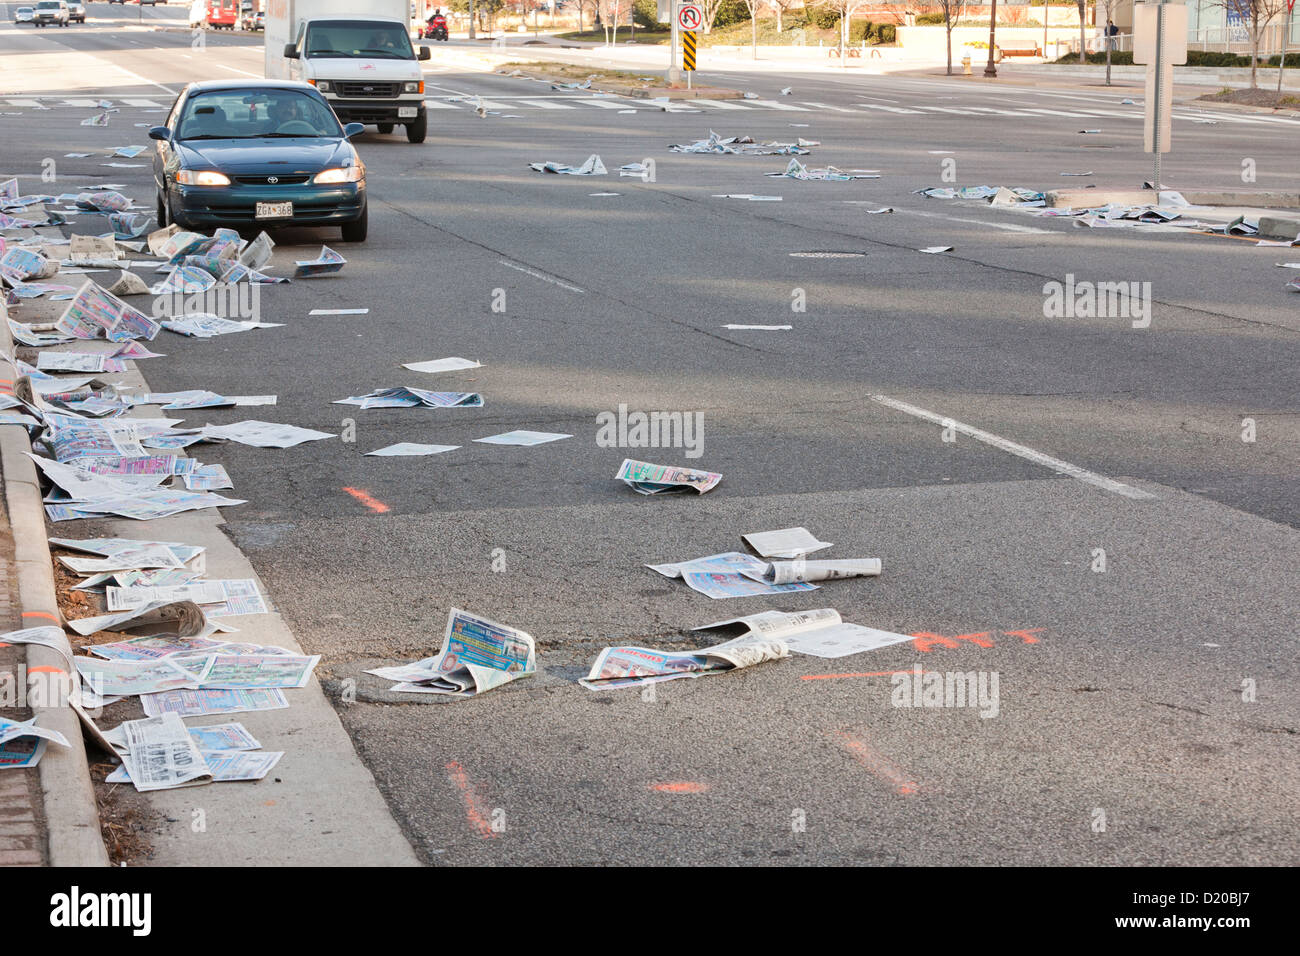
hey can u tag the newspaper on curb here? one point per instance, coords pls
(179, 618)
(632, 666)
(477, 655)
(208, 701)
(22, 743)
(819, 633)
(159, 754)
(649, 479)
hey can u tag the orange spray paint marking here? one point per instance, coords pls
(925, 642)
(1027, 635)
(880, 765)
(680, 786)
(865, 674)
(46, 670)
(42, 614)
(374, 504)
(473, 807)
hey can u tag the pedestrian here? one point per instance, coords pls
(1112, 31)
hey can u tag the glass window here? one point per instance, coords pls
(357, 38)
(253, 113)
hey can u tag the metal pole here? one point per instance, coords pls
(992, 70)
(1159, 91)
(1286, 35)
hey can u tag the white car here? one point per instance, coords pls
(24, 15)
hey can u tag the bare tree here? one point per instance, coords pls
(583, 5)
(710, 10)
(952, 12)
(1083, 43)
(846, 9)
(1257, 15)
(780, 6)
(753, 7)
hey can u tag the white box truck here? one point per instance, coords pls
(359, 56)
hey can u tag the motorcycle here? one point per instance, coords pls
(436, 29)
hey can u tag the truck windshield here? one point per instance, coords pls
(358, 38)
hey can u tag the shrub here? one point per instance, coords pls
(731, 11)
(824, 18)
(930, 20)
(873, 33)
(645, 13)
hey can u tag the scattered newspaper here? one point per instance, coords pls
(477, 655)
(403, 397)
(159, 754)
(205, 325)
(205, 702)
(326, 263)
(797, 170)
(522, 437)
(180, 618)
(407, 449)
(785, 572)
(22, 743)
(257, 672)
(452, 364)
(648, 479)
(97, 313)
(728, 575)
(820, 633)
(219, 598)
(740, 145)
(632, 666)
(155, 647)
(258, 252)
(785, 543)
(133, 678)
(592, 167)
(264, 434)
(45, 636)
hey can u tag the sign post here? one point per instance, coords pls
(689, 19)
(1159, 41)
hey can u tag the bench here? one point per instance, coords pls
(1031, 51)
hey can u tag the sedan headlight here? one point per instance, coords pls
(322, 85)
(201, 177)
(344, 174)
(415, 86)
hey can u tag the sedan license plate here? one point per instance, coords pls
(274, 210)
(407, 112)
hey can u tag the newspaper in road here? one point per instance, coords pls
(403, 397)
(78, 362)
(184, 279)
(785, 572)
(256, 672)
(132, 678)
(204, 325)
(477, 655)
(180, 618)
(160, 754)
(257, 253)
(92, 247)
(592, 167)
(451, 364)
(785, 543)
(797, 170)
(95, 313)
(522, 437)
(25, 335)
(731, 145)
(820, 633)
(264, 434)
(648, 479)
(208, 701)
(406, 449)
(326, 263)
(207, 478)
(727, 575)
(630, 666)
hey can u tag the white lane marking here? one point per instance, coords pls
(1035, 109)
(774, 105)
(947, 109)
(1004, 226)
(438, 105)
(890, 109)
(719, 104)
(241, 72)
(136, 76)
(827, 106)
(989, 109)
(543, 276)
(1022, 451)
(610, 104)
(541, 104)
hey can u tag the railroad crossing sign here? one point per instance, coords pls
(688, 51)
(689, 16)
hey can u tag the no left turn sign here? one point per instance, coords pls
(689, 16)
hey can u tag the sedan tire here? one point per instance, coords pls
(356, 231)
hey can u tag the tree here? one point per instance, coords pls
(1083, 43)
(952, 12)
(1256, 15)
(752, 6)
(583, 5)
(845, 9)
(780, 6)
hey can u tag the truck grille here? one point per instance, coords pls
(356, 89)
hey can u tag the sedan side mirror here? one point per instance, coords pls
(424, 53)
(160, 133)
(290, 51)
(352, 129)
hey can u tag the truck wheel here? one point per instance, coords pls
(356, 231)
(415, 131)
(385, 128)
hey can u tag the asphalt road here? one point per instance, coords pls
(1120, 692)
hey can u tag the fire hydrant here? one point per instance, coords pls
(965, 65)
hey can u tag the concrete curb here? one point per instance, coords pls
(1277, 227)
(1258, 199)
(72, 818)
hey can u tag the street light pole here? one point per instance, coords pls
(992, 70)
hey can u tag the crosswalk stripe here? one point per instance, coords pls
(81, 102)
(720, 104)
(437, 105)
(774, 105)
(542, 104)
(22, 102)
(827, 106)
(889, 109)
(603, 103)
(140, 102)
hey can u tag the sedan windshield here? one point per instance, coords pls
(254, 114)
(353, 38)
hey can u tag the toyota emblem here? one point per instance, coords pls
(367, 89)
(272, 179)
